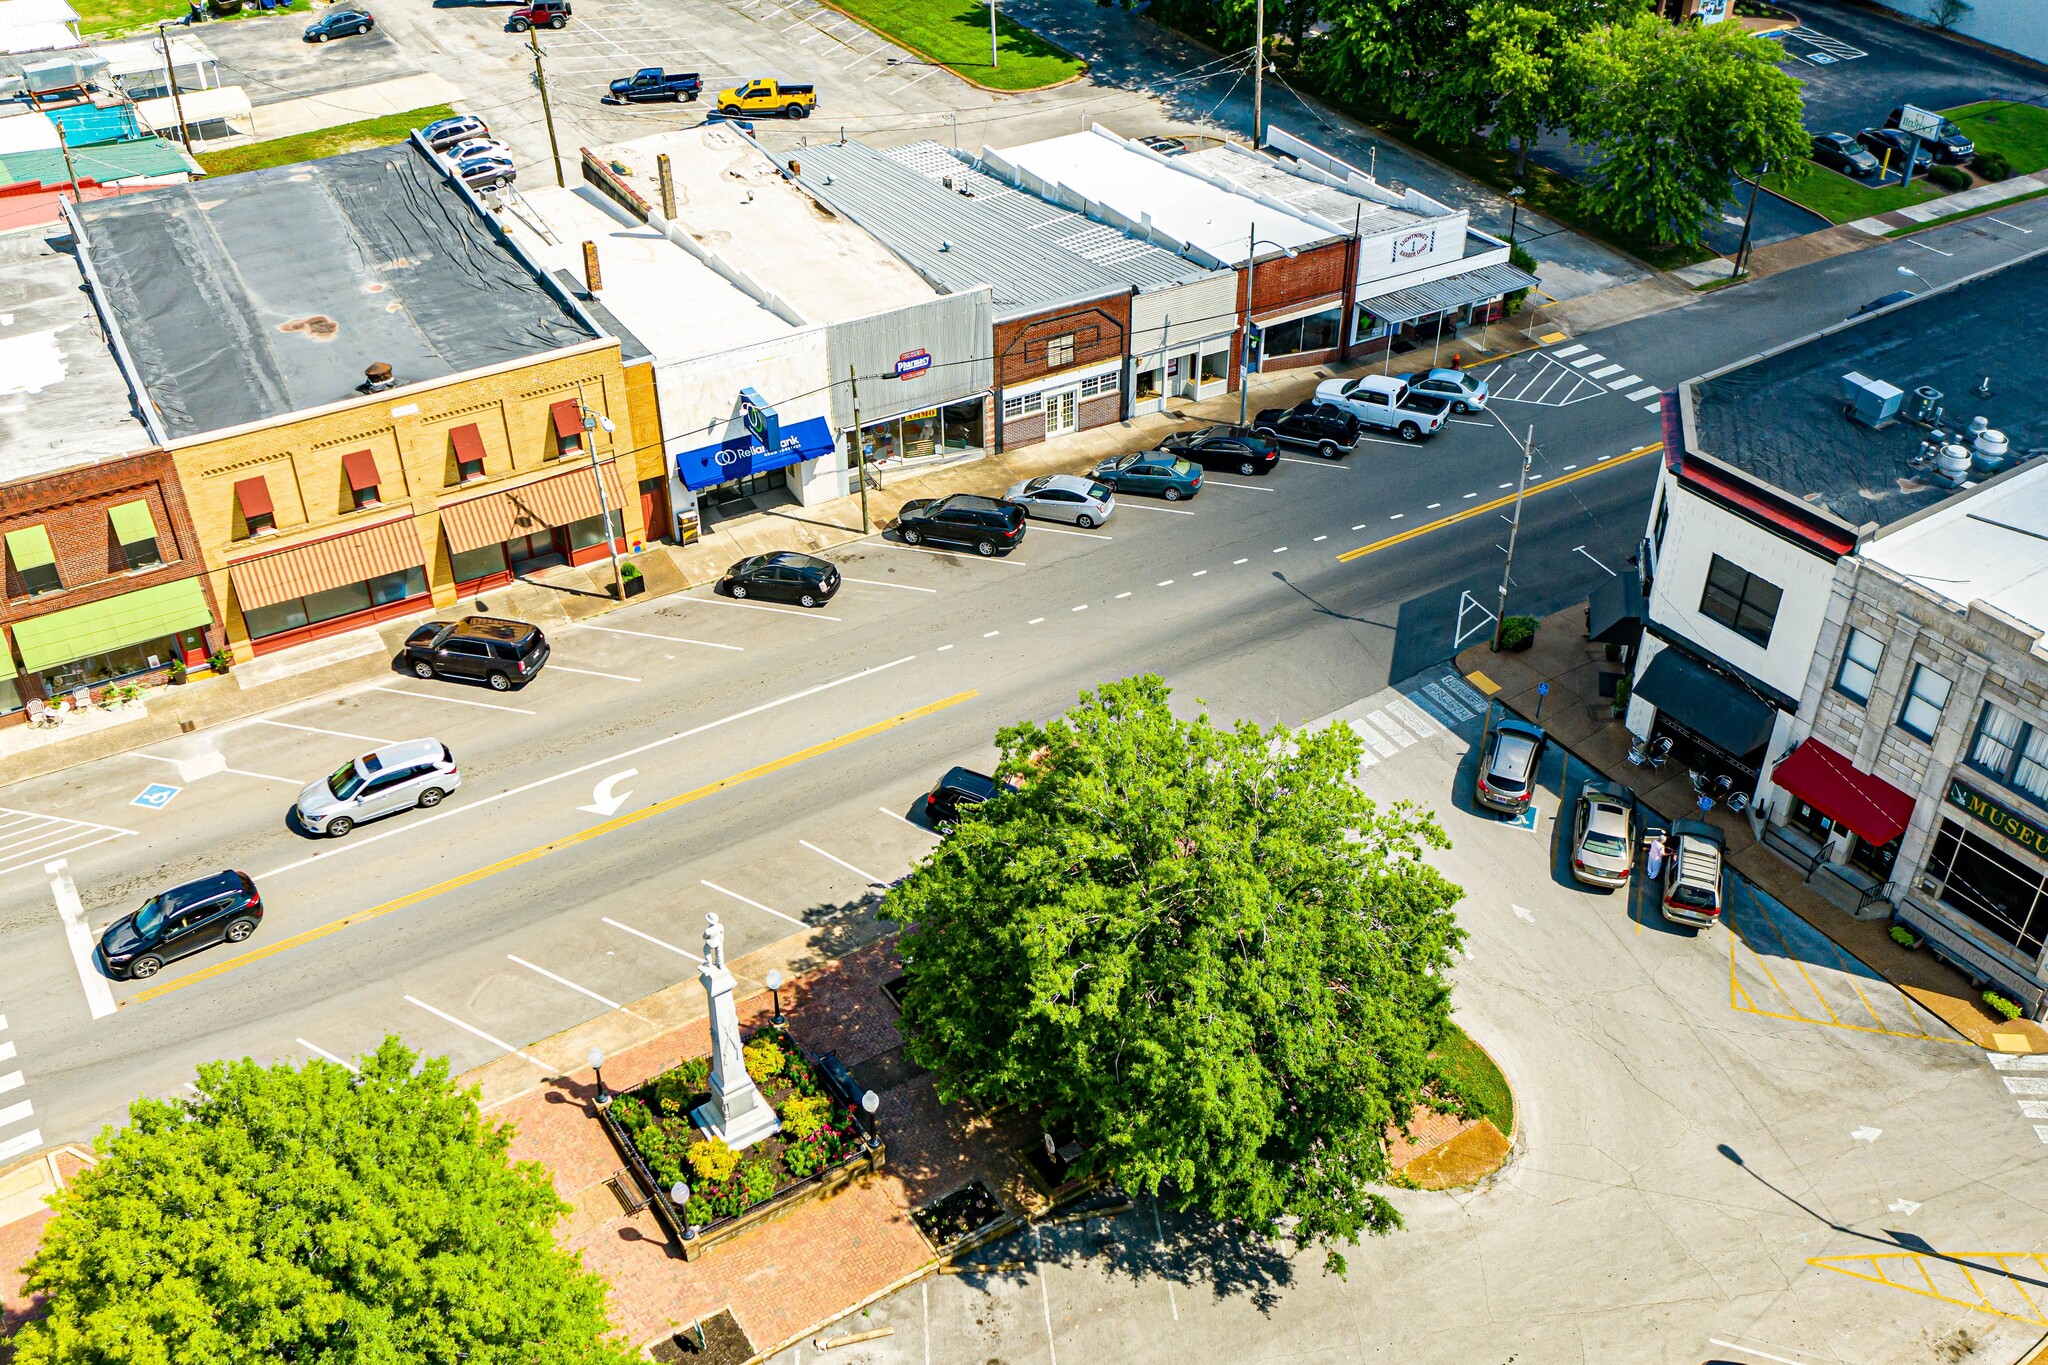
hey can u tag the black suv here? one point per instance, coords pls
(223, 908)
(1949, 143)
(505, 654)
(985, 525)
(803, 579)
(1325, 426)
(1225, 447)
(959, 789)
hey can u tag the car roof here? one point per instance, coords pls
(199, 888)
(968, 780)
(1444, 372)
(792, 559)
(974, 501)
(1378, 383)
(1073, 483)
(494, 628)
(402, 754)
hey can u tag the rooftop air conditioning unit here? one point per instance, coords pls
(1871, 401)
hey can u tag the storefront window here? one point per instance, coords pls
(469, 565)
(920, 433)
(1993, 888)
(345, 600)
(590, 531)
(1145, 384)
(10, 697)
(112, 666)
(961, 425)
(1215, 364)
(1316, 332)
(1366, 326)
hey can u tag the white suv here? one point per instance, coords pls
(416, 773)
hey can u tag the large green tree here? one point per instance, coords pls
(1203, 950)
(1676, 112)
(314, 1216)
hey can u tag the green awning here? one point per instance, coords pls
(132, 522)
(29, 548)
(129, 619)
(6, 657)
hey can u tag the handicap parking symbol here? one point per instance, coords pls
(1527, 819)
(156, 796)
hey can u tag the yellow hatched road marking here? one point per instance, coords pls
(1749, 1005)
(1995, 1263)
(490, 870)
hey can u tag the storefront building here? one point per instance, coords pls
(928, 371)
(103, 582)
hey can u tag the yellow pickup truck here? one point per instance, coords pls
(767, 96)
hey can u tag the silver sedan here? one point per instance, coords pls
(1065, 497)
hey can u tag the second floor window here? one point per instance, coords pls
(1924, 702)
(1741, 601)
(1059, 352)
(1858, 673)
(2012, 751)
(35, 564)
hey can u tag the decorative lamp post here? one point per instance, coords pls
(1514, 212)
(774, 983)
(596, 1059)
(869, 1103)
(679, 1195)
(1244, 351)
(1910, 271)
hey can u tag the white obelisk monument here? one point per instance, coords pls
(736, 1111)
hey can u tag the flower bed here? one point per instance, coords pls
(819, 1131)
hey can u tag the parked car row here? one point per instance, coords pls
(1873, 151)
(464, 143)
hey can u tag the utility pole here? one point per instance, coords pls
(1500, 617)
(1259, 78)
(547, 112)
(70, 171)
(993, 63)
(171, 75)
(1244, 358)
(591, 422)
(1742, 247)
(860, 442)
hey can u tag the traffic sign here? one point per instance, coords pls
(1543, 689)
(156, 796)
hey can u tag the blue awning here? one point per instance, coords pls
(741, 455)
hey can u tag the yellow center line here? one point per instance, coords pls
(1498, 503)
(490, 870)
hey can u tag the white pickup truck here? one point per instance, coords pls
(1383, 401)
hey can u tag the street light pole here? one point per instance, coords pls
(171, 75)
(1514, 213)
(993, 60)
(860, 446)
(1244, 358)
(1500, 617)
(1742, 247)
(592, 422)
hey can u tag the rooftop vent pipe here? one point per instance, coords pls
(378, 377)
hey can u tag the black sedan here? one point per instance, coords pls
(785, 575)
(1225, 447)
(1840, 152)
(1891, 148)
(222, 908)
(340, 23)
(1325, 428)
(958, 790)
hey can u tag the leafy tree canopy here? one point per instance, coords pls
(1676, 112)
(313, 1216)
(1202, 950)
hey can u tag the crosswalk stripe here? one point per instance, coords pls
(1644, 392)
(2034, 1109)
(15, 1113)
(1624, 383)
(1653, 407)
(1392, 731)
(1445, 701)
(19, 1143)
(1604, 371)
(1465, 692)
(11, 1081)
(2026, 1085)
(1372, 737)
(1594, 358)
(1563, 351)
(1422, 725)
(2012, 1061)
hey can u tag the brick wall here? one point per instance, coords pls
(1100, 330)
(1027, 430)
(1101, 410)
(1319, 275)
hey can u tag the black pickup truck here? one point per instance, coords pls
(652, 84)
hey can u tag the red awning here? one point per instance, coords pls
(469, 444)
(254, 495)
(362, 469)
(1874, 810)
(568, 418)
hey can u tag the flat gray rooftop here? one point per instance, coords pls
(1780, 419)
(63, 400)
(251, 296)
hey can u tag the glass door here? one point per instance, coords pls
(1061, 412)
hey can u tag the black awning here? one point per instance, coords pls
(1614, 614)
(1716, 707)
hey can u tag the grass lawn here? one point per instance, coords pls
(110, 18)
(954, 33)
(1839, 199)
(347, 137)
(1474, 1076)
(2018, 130)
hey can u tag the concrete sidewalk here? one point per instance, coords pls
(1578, 714)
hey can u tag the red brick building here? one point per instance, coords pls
(1299, 304)
(102, 580)
(1061, 371)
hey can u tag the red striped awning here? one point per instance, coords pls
(331, 562)
(1873, 809)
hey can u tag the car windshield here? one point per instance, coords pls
(1039, 484)
(150, 917)
(344, 782)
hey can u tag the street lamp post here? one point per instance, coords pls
(774, 983)
(870, 1102)
(679, 1195)
(1251, 276)
(1911, 273)
(1514, 213)
(592, 422)
(596, 1059)
(1500, 618)
(1742, 247)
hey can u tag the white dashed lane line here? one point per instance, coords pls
(1240, 561)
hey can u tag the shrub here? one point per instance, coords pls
(1904, 937)
(804, 1159)
(1621, 691)
(1992, 165)
(712, 1160)
(757, 1180)
(2001, 1004)
(1516, 632)
(1950, 178)
(764, 1059)
(803, 1115)
(629, 572)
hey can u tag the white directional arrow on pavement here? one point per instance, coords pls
(603, 800)
(1905, 1206)
(1529, 915)
(1866, 1134)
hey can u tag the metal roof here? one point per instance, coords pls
(1031, 253)
(1263, 175)
(1453, 291)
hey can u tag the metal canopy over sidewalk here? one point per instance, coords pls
(1441, 296)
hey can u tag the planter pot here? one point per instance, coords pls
(222, 669)
(176, 679)
(634, 586)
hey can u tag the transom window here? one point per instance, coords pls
(1741, 601)
(1924, 701)
(1858, 673)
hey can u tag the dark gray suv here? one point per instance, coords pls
(505, 654)
(986, 526)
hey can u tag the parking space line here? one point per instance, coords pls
(672, 639)
(37, 852)
(1064, 531)
(756, 904)
(606, 1001)
(950, 554)
(1148, 507)
(471, 1028)
(899, 815)
(802, 613)
(659, 943)
(452, 701)
(842, 862)
(1246, 487)
(316, 730)
(591, 673)
(878, 583)
(317, 1050)
(1319, 464)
